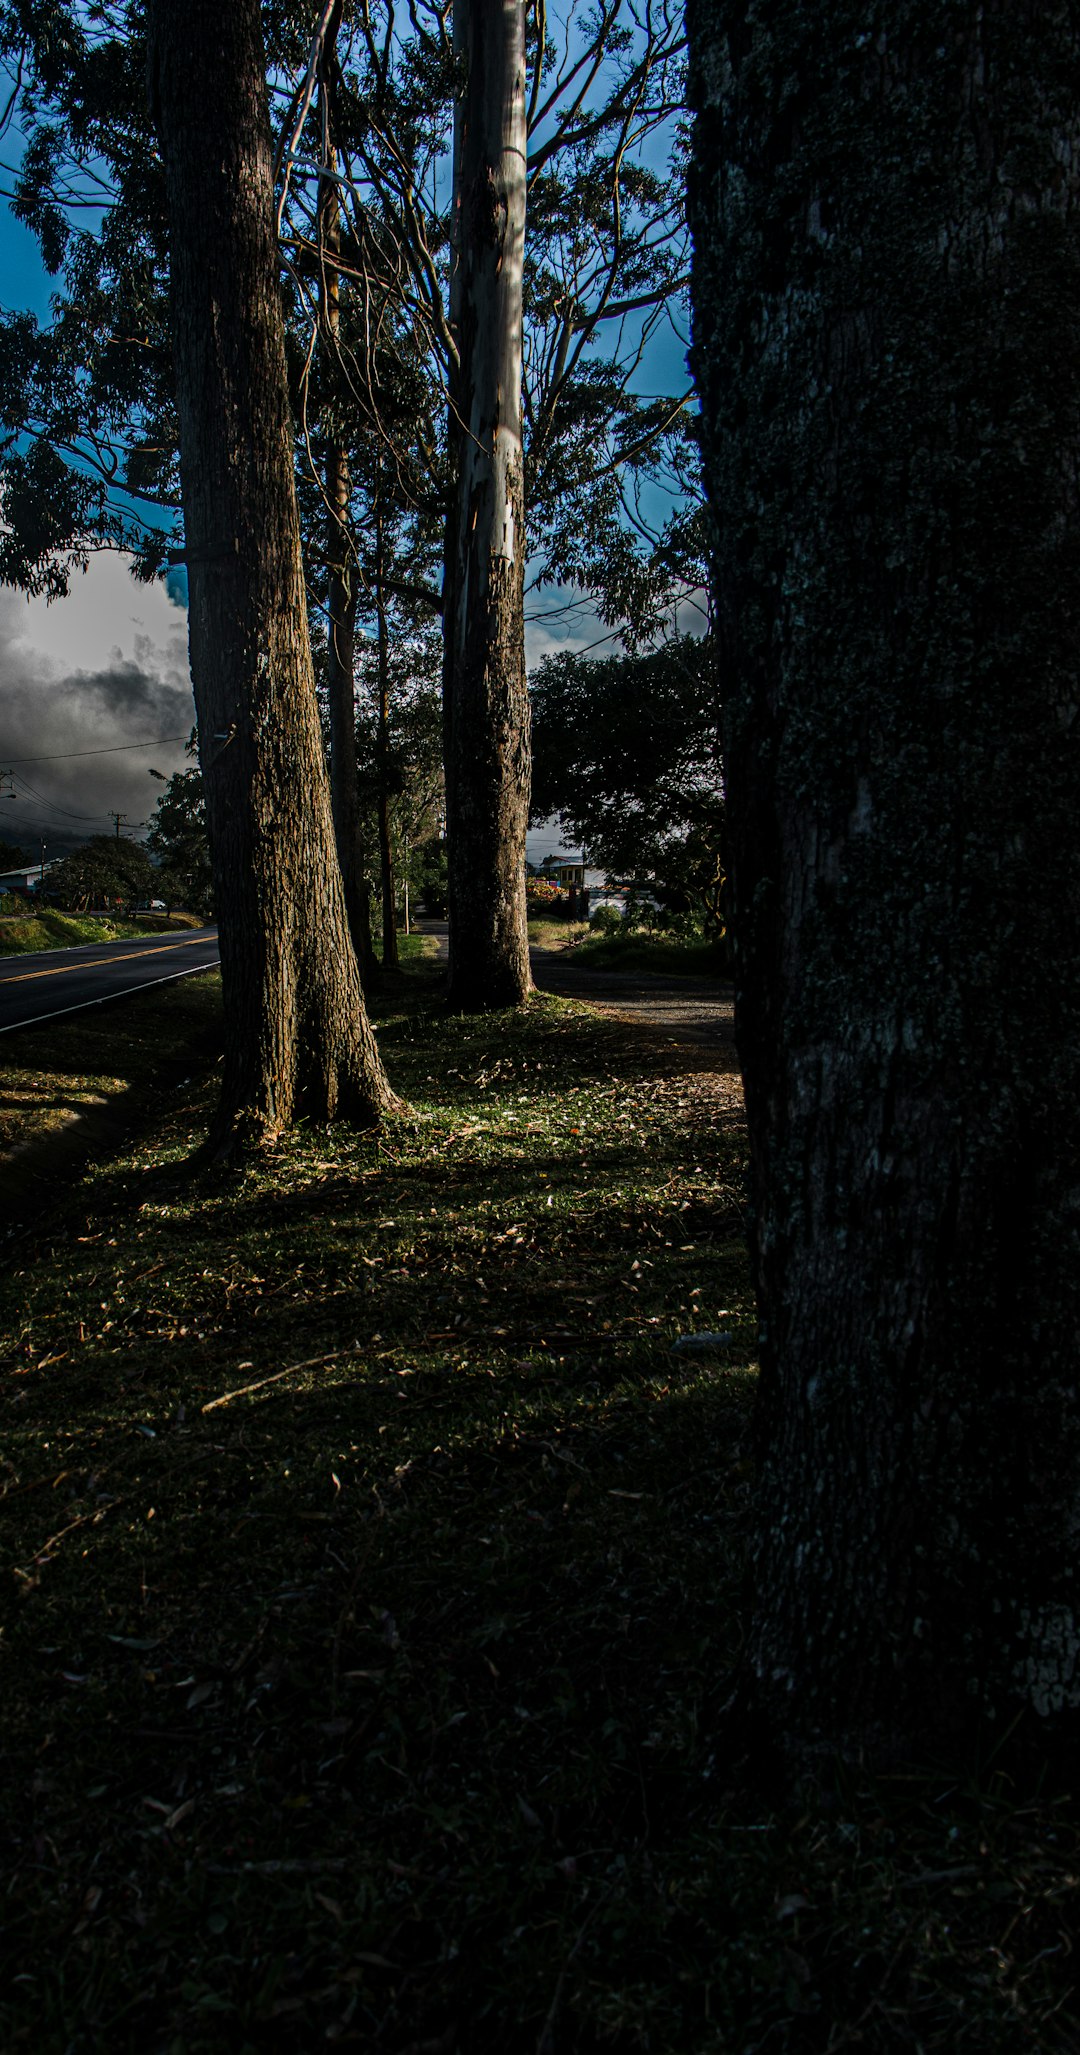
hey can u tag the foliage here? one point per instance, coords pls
(626, 753)
(400, 755)
(107, 870)
(86, 406)
(177, 841)
(431, 879)
(543, 891)
(45, 927)
(11, 856)
(606, 269)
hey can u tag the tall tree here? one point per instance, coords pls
(886, 212)
(298, 1040)
(484, 690)
(341, 585)
(594, 91)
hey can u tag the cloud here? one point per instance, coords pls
(80, 682)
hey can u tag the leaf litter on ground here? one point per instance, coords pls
(374, 1569)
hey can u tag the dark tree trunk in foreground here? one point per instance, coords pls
(887, 304)
(341, 570)
(485, 695)
(297, 1038)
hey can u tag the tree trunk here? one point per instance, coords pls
(485, 695)
(341, 692)
(297, 1038)
(341, 579)
(386, 846)
(887, 297)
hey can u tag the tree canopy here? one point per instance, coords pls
(107, 869)
(626, 754)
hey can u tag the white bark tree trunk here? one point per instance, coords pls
(485, 696)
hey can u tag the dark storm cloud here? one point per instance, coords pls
(62, 722)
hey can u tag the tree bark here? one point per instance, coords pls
(297, 1037)
(341, 575)
(887, 297)
(485, 695)
(382, 750)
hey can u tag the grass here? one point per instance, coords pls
(555, 934)
(88, 1064)
(51, 929)
(414, 949)
(659, 954)
(374, 1570)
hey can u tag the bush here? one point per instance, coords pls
(607, 920)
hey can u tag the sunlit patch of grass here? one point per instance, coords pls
(50, 929)
(99, 1062)
(374, 1569)
(555, 934)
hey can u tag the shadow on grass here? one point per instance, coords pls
(375, 1570)
(75, 1087)
(352, 1705)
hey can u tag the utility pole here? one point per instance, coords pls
(118, 817)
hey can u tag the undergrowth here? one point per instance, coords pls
(652, 952)
(48, 928)
(374, 1568)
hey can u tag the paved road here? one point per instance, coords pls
(56, 981)
(697, 1010)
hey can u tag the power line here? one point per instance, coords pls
(54, 804)
(61, 755)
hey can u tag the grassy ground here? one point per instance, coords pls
(659, 954)
(374, 1568)
(104, 1063)
(414, 949)
(555, 934)
(51, 929)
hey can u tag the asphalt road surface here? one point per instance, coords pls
(56, 981)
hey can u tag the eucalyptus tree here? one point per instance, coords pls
(886, 211)
(340, 569)
(364, 189)
(525, 407)
(485, 695)
(297, 1037)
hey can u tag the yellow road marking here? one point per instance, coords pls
(24, 977)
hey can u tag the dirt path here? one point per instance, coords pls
(698, 1010)
(686, 1009)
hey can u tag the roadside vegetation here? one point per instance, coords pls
(374, 1564)
(651, 952)
(83, 1079)
(22, 935)
(614, 941)
(547, 933)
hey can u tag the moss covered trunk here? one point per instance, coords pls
(297, 1037)
(485, 696)
(886, 210)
